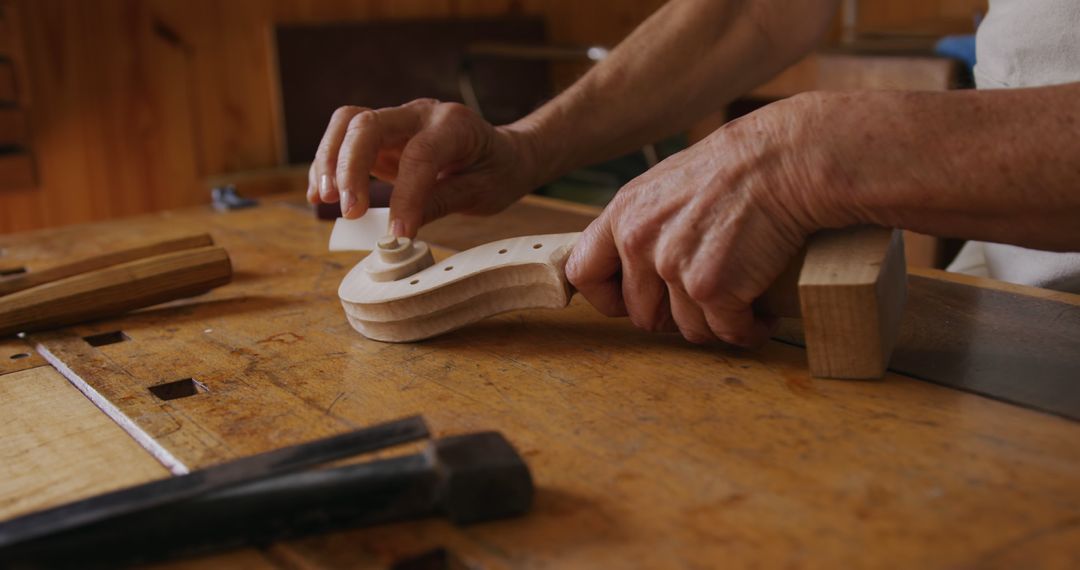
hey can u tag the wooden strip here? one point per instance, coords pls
(33, 278)
(115, 289)
(982, 340)
(148, 443)
(986, 283)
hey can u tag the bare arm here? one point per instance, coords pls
(1001, 165)
(688, 59)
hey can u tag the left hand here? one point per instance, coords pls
(695, 240)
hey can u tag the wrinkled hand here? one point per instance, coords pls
(441, 158)
(694, 241)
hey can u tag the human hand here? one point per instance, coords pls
(694, 241)
(441, 158)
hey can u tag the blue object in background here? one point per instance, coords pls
(961, 48)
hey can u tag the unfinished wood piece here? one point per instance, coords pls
(510, 274)
(58, 447)
(852, 289)
(115, 290)
(30, 279)
(849, 290)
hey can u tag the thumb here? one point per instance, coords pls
(594, 268)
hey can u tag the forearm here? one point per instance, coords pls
(1001, 166)
(687, 60)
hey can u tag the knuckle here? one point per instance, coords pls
(426, 101)
(669, 269)
(419, 150)
(438, 206)
(636, 239)
(344, 112)
(701, 288)
(455, 110)
(362, 120)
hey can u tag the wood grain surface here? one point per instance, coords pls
(116, 289)
(647, 451)
(36, 276)
(852, 289)
(74, 454)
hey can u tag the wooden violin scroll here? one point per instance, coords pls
(848, 286)
(422, 301)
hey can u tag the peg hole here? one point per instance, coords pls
(538, 245)
(106, 338)
(20, 355)
(414, 282)
(8, 271)
(448, 268)
(178, 389)
(502, 251)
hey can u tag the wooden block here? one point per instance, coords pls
(852, 289)
(115, 290)
(30, 279)
(922, 250)
(17, 171)
(12, 128)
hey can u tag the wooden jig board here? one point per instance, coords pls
(648, 452)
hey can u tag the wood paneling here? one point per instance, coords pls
(12, 127)
(16, 170)
(8, 93)
(138, 102)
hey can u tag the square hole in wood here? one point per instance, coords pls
(105, 338)
(178, 389)
(7, 271)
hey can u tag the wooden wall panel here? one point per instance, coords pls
(139, 101)
(918, 16)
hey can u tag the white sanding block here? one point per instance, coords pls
(362, 233)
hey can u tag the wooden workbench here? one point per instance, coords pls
(647, 451)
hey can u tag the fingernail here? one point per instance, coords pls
(347, 202)
(397, 227)
(324, 186)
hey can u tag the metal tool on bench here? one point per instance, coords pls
(467, 478)
(112, 283)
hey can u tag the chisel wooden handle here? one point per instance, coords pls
(17, 283)
(115, 289)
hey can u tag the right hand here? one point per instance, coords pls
(440, 157)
